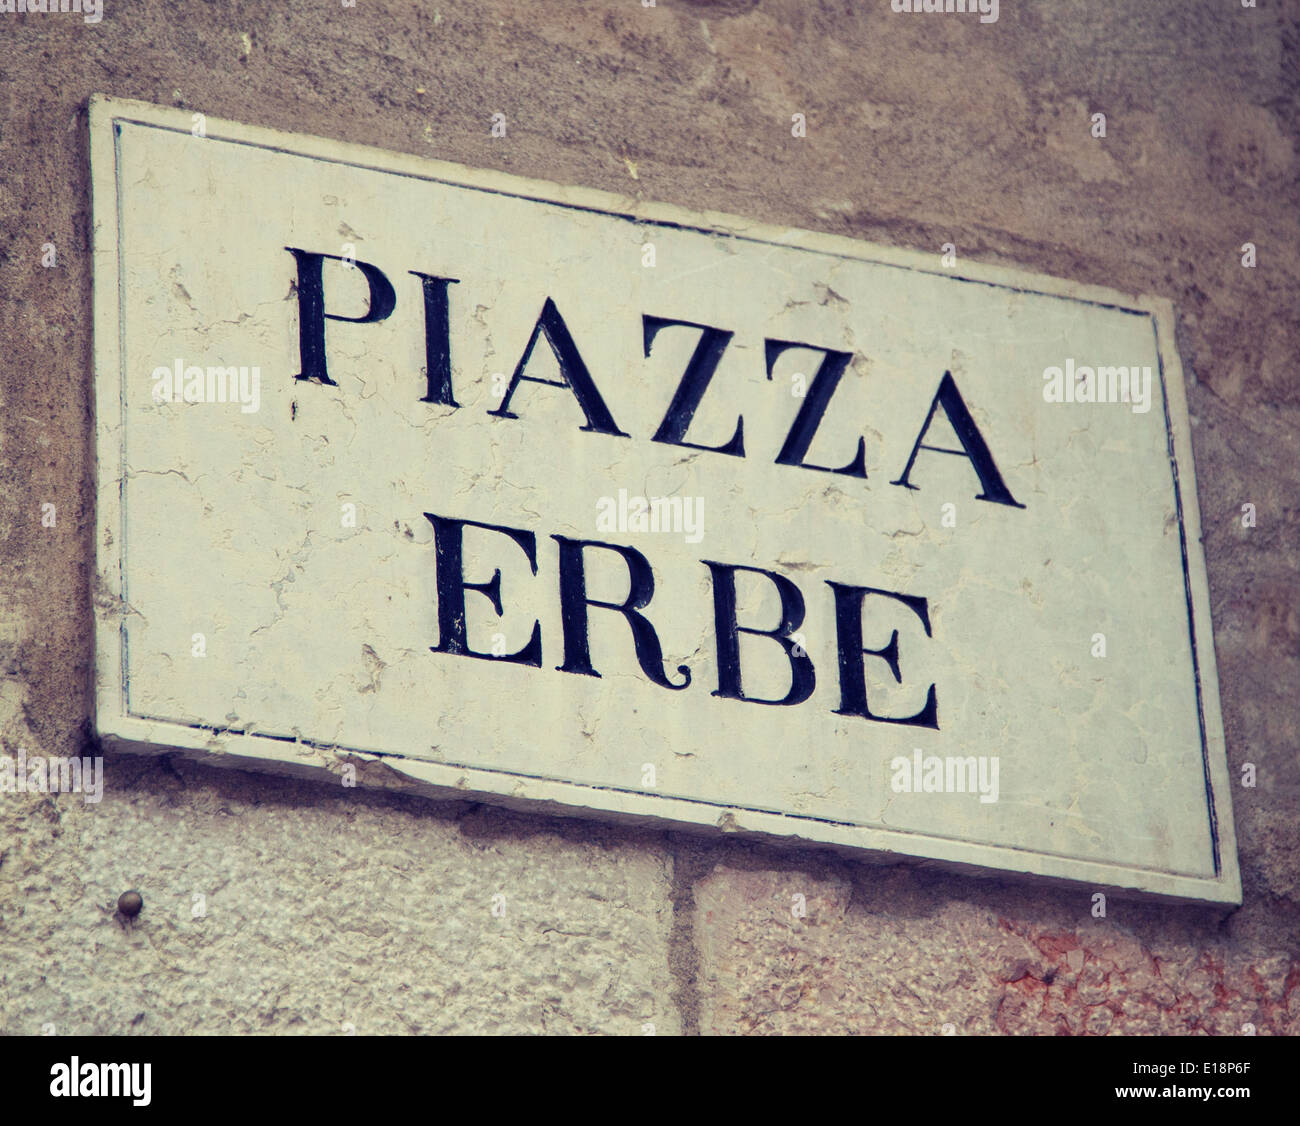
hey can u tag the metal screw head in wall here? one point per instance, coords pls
(130, 904)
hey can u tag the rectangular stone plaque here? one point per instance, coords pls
(443, 478)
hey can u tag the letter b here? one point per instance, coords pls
(803, 678)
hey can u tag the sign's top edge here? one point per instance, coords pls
(106, 109)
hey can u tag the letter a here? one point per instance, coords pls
(573, 373)
(973, 445)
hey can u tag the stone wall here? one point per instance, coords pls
(328, 908)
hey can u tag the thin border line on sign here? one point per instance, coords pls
(118, 121)
(632, 218)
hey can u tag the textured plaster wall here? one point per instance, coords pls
(328, 908)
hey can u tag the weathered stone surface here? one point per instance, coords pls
(875, 954)
(320, 912)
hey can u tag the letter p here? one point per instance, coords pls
(311, 309)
